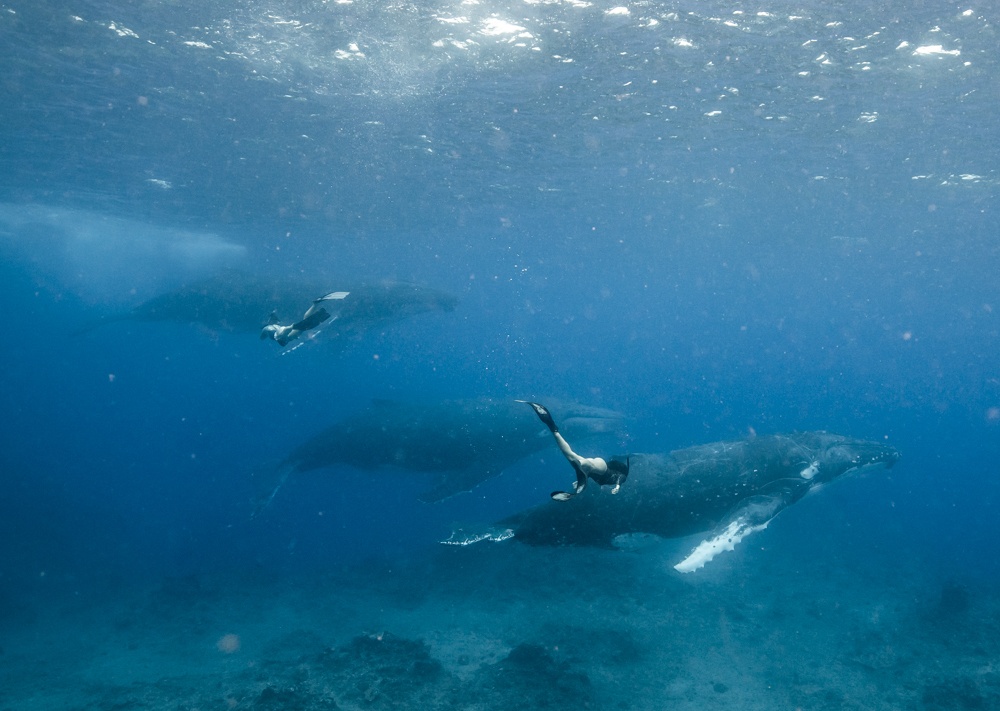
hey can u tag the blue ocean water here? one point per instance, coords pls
(716, 218)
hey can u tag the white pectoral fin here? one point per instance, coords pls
(749, 517)
(724, 540)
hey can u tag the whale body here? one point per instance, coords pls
(240, 302)
(728, 489)
(465, 441)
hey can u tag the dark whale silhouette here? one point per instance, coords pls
(729, 489)
(240, 302)
(466, 441)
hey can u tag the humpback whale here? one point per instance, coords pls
(727, 489)
(240, 302)
(466, 441)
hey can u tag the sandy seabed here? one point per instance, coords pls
(506, 626)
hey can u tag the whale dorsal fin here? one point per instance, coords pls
(458, 482)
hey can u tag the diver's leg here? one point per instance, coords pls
(576, 461)
(312, 319)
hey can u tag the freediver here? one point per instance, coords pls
(313, 317)
(611, 473)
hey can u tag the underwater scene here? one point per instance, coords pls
(499, 355)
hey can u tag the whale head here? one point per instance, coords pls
(836, 456)
(579, 420)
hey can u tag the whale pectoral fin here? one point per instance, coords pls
(750, 516)
(457, 482)
(271, 483)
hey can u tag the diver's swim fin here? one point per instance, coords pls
(332, 296)
(312, 320)
(543, 415)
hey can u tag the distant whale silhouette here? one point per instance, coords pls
(466, 441)
(240, 302)
(730, 489)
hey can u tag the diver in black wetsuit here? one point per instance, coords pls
(611, 473)
(313, 317)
